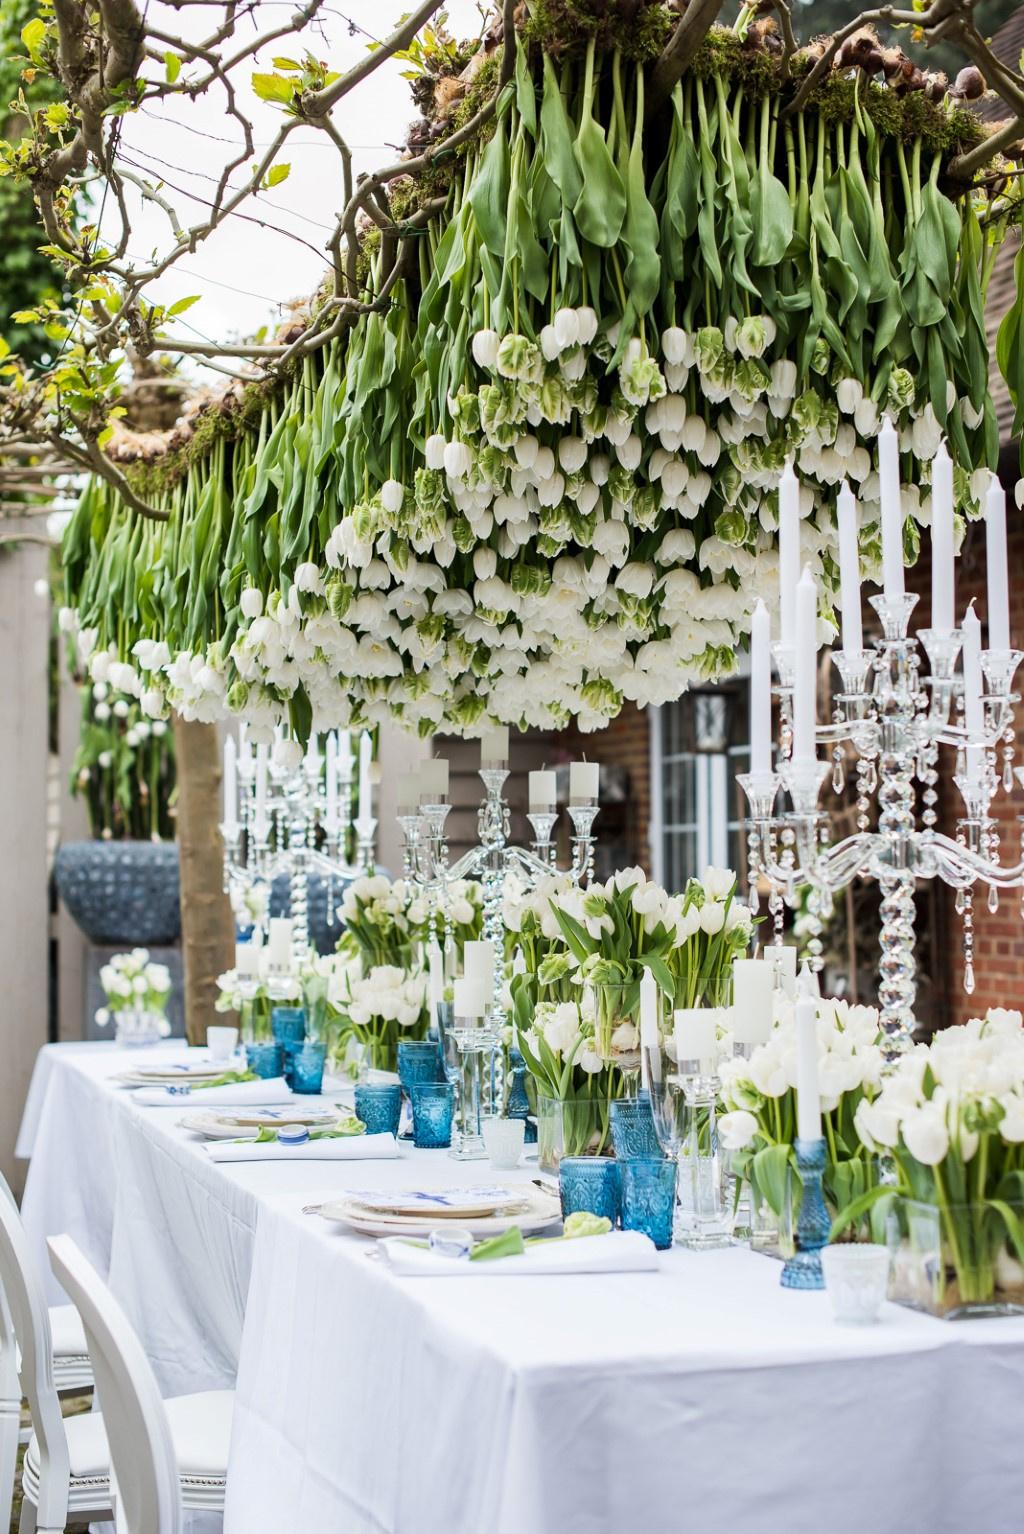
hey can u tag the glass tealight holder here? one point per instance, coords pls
(433, 1106)
(591, 1184)
(307, 1066)
(379, 1106)
(649, 1199)
(265, 1058)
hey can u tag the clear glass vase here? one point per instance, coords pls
(572, 1126)
(954, 1260)
(136, 1026)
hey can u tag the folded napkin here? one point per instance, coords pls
(240, 1094)
(622, 1251)
(351, 1148)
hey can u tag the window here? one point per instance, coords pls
(698, 745)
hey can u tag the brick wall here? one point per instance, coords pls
(999, 939)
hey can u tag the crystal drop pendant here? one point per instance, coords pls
(969, 978)
(993, 898)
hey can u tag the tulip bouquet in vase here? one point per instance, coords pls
(758, 1126)
(252, 991)
(384, 920)
(577, 1002)
(382, 1007)
(137, 993)
(950, 1120)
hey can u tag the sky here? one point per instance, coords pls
(246, 274)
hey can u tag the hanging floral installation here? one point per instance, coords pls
(542, 480)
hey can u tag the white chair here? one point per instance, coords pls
(143, 1468)
(66, 1472)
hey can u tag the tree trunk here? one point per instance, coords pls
(207, 925)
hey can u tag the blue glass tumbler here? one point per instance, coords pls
(265, 1059)
(433, 1108)
(379, 1106)
(307, 1063)
(633, 1134)
(589, 1183)
(649, 1198)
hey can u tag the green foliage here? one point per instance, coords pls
(124, 768)
(26, 276)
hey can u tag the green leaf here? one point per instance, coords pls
(183, 304)
(32, 35)
(859, 1207)
(276, 174)
(172, 67)
(273, 88)
(600, 208)
(282, 63)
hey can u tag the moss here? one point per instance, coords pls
(565, 27)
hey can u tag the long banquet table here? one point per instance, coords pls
(699, 1396)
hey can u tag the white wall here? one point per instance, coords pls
(24, 916)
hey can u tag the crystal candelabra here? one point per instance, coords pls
(295, 818)
(895, 720)
(426, 858)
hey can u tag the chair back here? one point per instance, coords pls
(143, 1466)
(30, 1318)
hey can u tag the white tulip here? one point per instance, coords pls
(567, 328)
(925, 1134)
(549, 343)
(736, 1130)
(677, 347)
(251, 602)
(392, 494)
(485, 349)
(288, 755)
(600, 468)
(433, 450)
(485, 563)
(630, 452)
(586, 321)
(572, 451)
(526, 449)
(543, 464)
(458, 459)
(849, 393)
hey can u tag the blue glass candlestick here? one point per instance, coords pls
(803, 1269)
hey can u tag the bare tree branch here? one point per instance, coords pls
(681, 49)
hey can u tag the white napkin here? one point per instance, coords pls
(240, 1094)
(620, 1251)
(352, 1148)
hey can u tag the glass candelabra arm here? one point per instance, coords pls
(960, 866)
(527, 862)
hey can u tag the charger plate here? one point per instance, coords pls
(537, 1212)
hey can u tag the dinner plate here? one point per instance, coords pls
(439, 1203)
(245, 1123)
(540, 1211)
(170, 1076)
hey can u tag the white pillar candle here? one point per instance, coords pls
(260, 812)
(470, 998)
(584, 782)
(312, 757)
(649, 1036)
(849, 571)
(789, 552)
(753, 987)
(436, 967)
(892, 510)
(760, 691)
(942, 540)
(478, 961)
(279, 943)
(408, 792)
(808, 1096)
(995, 556)
(695, 1035)
(230, 784)
(543, 792)
(974, 714)
(245, 761)
(247, 961)
(782, 957)
(805, 684)
(434, 780)
(494, 748)
(365, 792)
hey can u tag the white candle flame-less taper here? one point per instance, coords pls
(760, 691)
(995, 556)
(892, 510)
(789, 552)
(695, 1038)
(805, 676)
(230, 784)
(543, 792)
(649, 1036)
(470, 999)
(436, 968)
(478, 961)
(943, 598)
(808, 1094)
(584, 782)
(365, 791)
(849, 572)
(974, 714)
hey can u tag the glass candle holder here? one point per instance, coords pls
(649, 1199)
(589, 1183)
(433, 1105)
(633, 1133)
(307, 1066)
(379, 1106)
(265, 1058)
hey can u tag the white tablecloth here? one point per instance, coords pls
(699, 1396)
